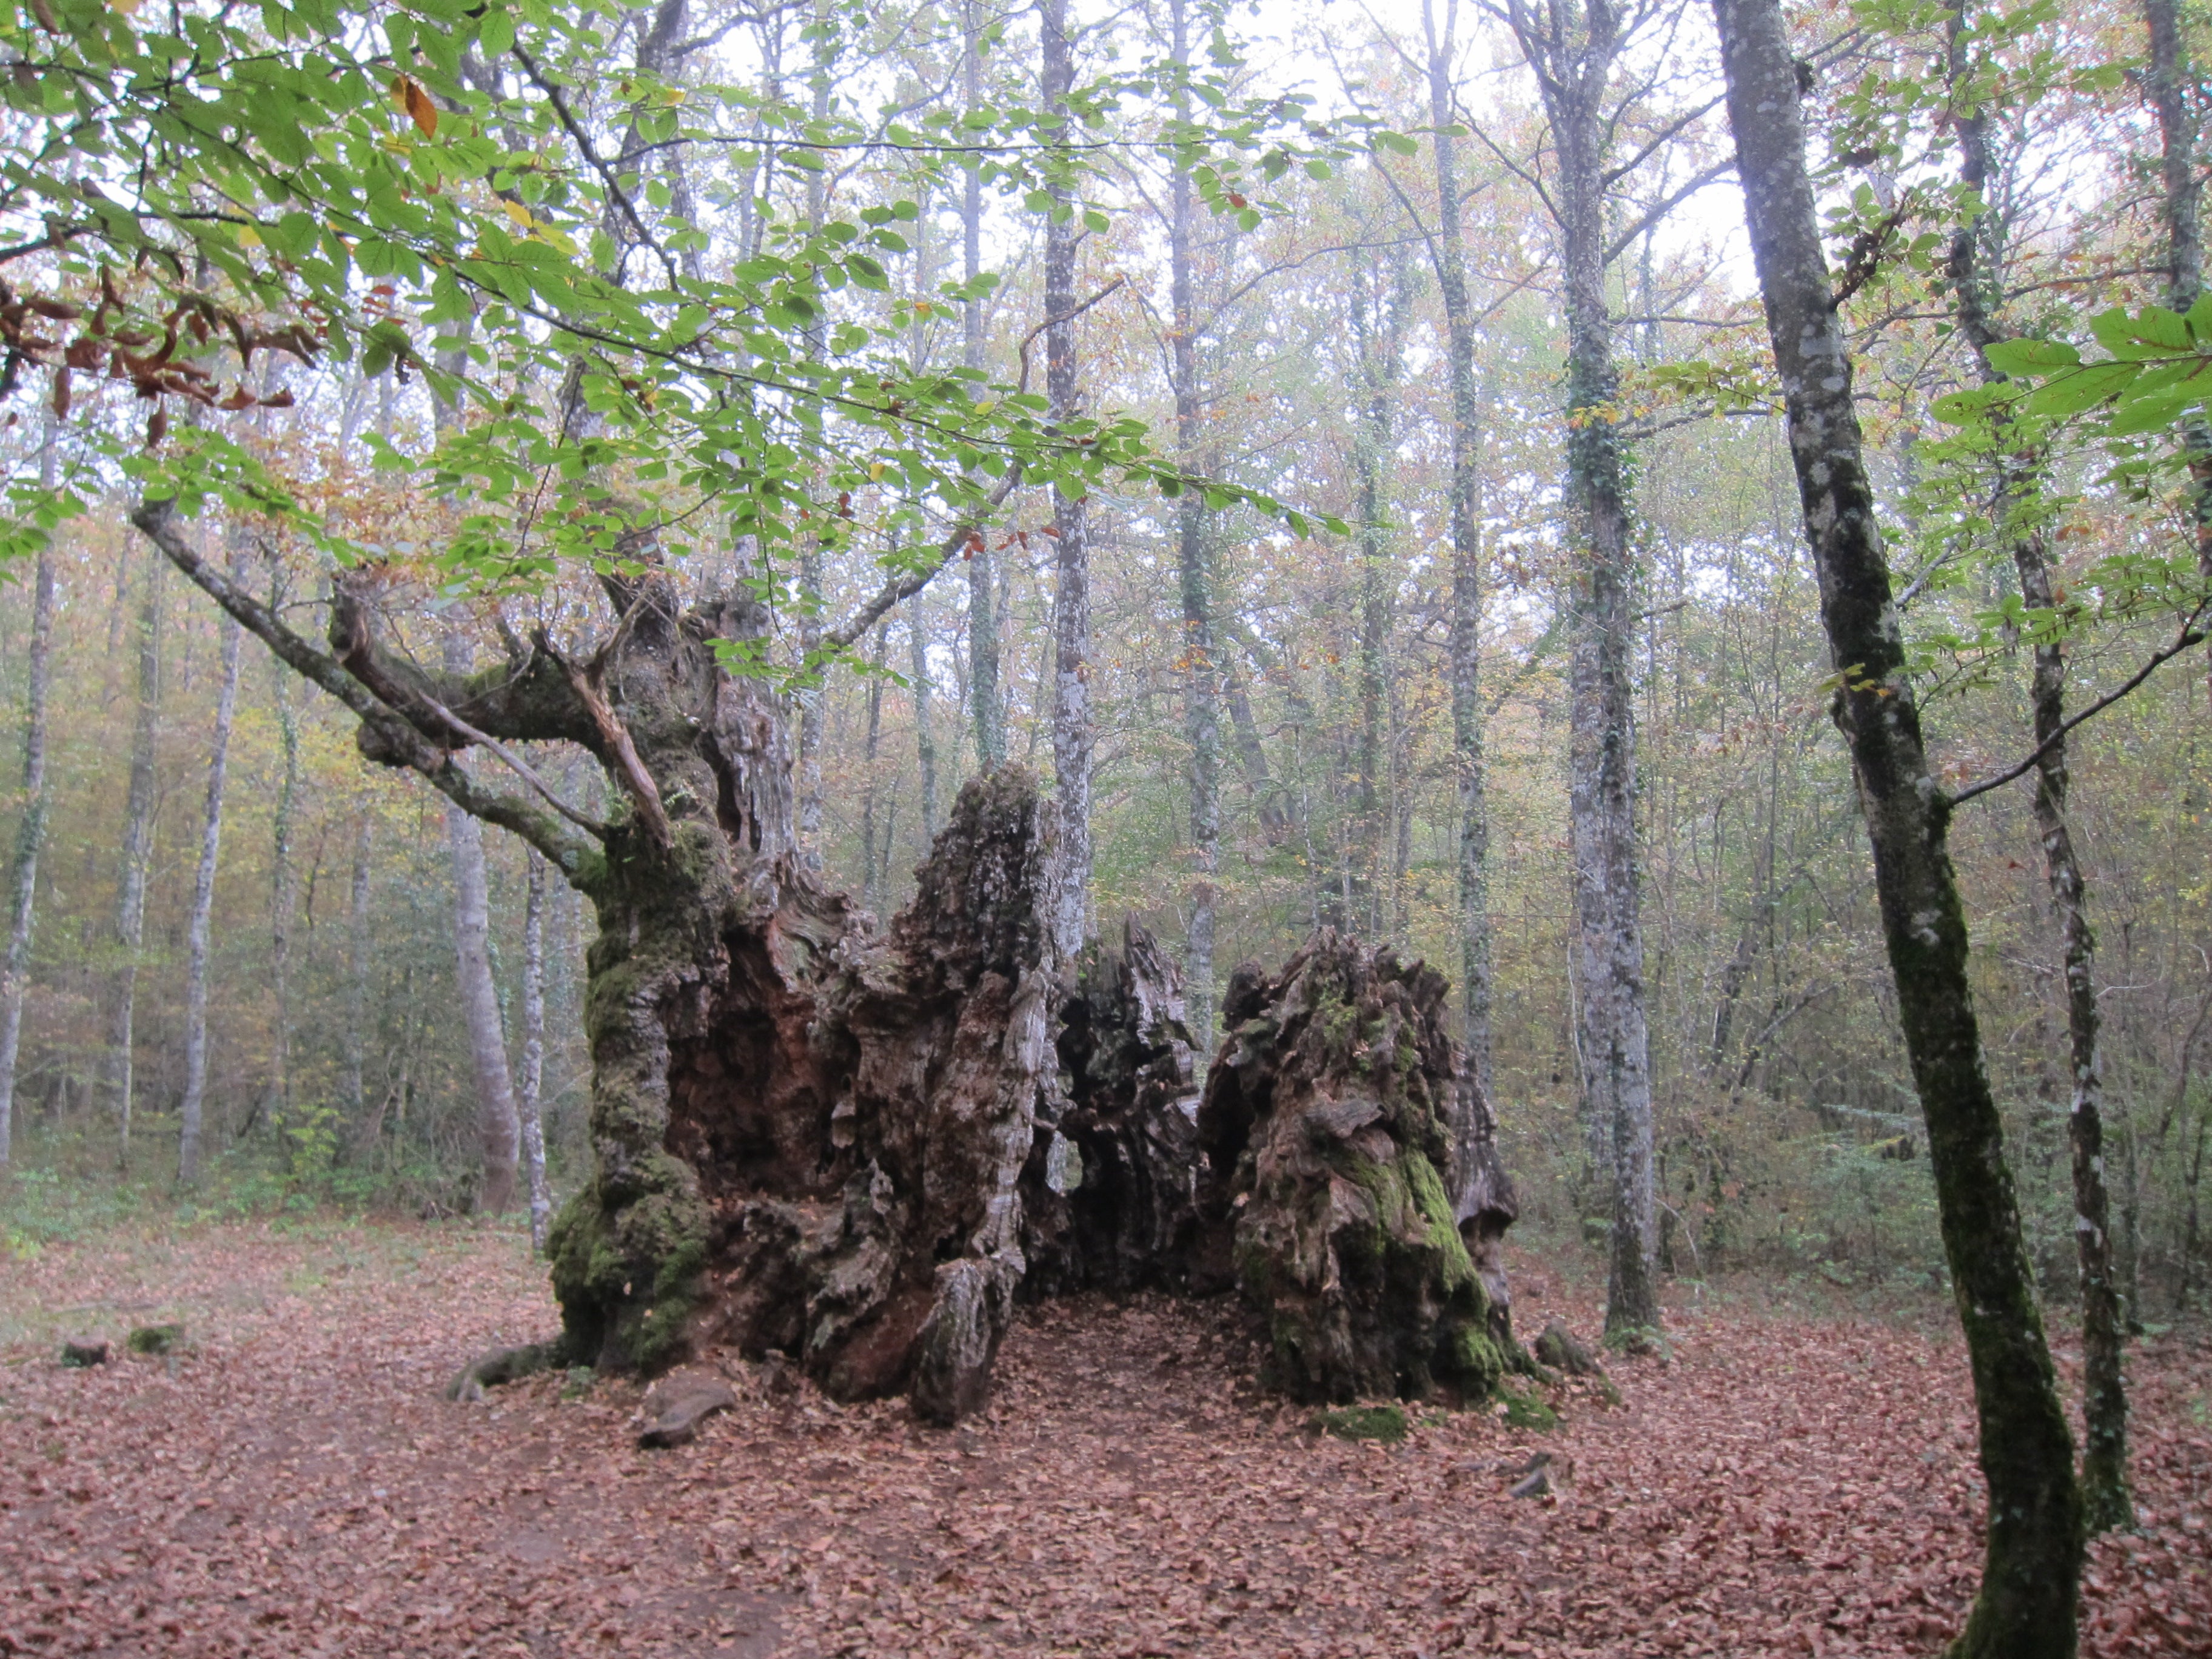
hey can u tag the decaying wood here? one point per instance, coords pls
(1326, 1128)
(1109, 1197)
(809, 1137)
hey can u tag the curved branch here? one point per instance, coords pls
(905, 587)
(2190, 633)
(385, 735)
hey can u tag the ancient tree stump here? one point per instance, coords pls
(1340, 1124)
(1109, 1196)
(849, 1112)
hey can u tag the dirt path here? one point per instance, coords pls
(295, 1484)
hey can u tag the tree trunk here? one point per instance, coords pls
(1071, 607)
(2026, 1604)
(31, 836)
(986, 704)
(1378, 317)
(1201, 672)
(1573, 71)
(2181, 204)
(498, 1125)
(136, 857)
(870, 895)
(530, 1104)
(357, 959)
(1326, 1126)
(925, 740)
(1109, 1197)
(1467, 416)
(196, 965)
(1979, 294)
(282, 893)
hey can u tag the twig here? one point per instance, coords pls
(2191, 634)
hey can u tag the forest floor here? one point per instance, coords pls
(294, 1482)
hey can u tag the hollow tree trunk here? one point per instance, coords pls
(137, 854)
(31, 835)
(1071, 517)
(191, 1111)
(2026, 1608)
(1979, 298)
(1109, 1195)
(1327, 1126)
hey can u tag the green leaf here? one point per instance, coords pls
(2030, 358)
(2075, 390)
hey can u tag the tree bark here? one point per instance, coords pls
(1573, 67)
(31, 836)
(190, 1113)
(2181, 206)
(136, 856)
(987, 705)
(871, 894)
(1071, 735)
(1978, 295)
(1201, 672)
(498, 1124)
(1468, 414)
(924, 739)
(357, 962)
(530, 1104)
(1326, 1127)
(2026, 1606)
(1378, 304)
(282, 884)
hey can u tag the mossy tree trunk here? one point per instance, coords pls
(807, 1134)
(2026, 1606)
(1332, 1195)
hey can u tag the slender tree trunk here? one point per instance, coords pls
(811, 694)
(871, 893)
(1071, 611)
(283, 896)
(1467, 416)
(1377, 316)
(31, 837)
(2031, 1567)
(1573, 71)
(925, 740)
(195, 949)
(138, 856)
(357, 953)
(986, 706)
(498, 1130)
(530, 1102)
(1978, 295)
(1201, 671)
(2181, 205)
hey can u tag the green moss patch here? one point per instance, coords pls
(156, 1338)
(1386, 1424)
(1524, 1411)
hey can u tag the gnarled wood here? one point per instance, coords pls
(1327, 1130)
(1109, 1195)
